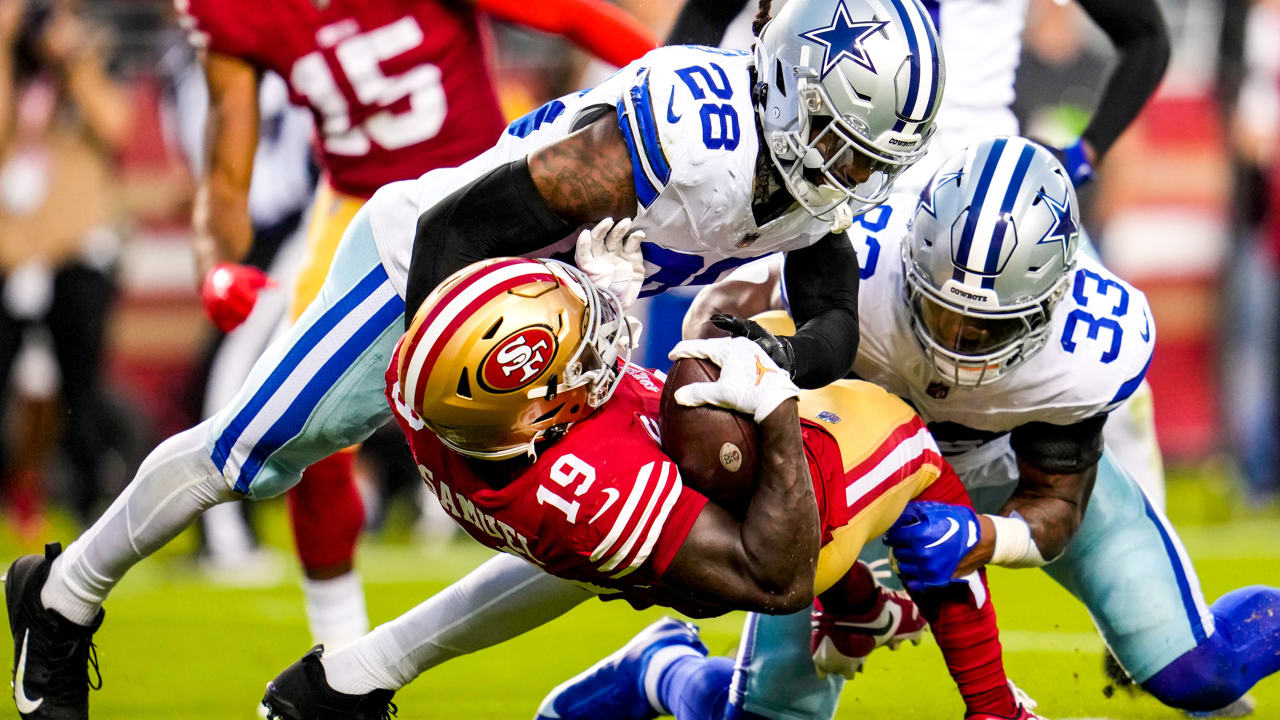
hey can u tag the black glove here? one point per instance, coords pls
(777, 348)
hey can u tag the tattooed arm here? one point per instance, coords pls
(523, 206)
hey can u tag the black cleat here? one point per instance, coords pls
(51, 655)
(301, 692)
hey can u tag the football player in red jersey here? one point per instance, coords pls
(396, 89)
(541, 440)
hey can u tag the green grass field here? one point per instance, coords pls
(175, 646)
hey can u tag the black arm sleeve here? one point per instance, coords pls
(500, 213)
(1060, 449)
(703, 22)
(1138, 32)
(822, 290)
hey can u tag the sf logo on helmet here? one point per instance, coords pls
(518, 359)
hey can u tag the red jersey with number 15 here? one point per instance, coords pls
(397, 87)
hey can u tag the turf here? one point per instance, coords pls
(176, 646)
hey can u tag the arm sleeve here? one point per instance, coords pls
(1060, 449)
(704, 22)
(822, 290)
(1142, 43)
(500, 213)
(597, 27)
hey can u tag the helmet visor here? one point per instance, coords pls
(967, 334)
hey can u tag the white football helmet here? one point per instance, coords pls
(847, 97)
(990, 252)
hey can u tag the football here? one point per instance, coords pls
(717, 450)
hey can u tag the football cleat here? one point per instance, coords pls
(614, 688)
(301, 692)
(51, 655)
(841, 643)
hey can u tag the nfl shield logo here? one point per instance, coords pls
(937, 390)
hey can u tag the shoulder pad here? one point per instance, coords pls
(685, 113)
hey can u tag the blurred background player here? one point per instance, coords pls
(63, 122)
(396, 89)
(280, 194)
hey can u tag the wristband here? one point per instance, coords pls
(1014, 546)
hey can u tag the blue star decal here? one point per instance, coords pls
(1063, 226)
(843, 39)
(929, 191)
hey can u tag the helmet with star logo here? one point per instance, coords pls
(990, 252)
(508, 350)
(847, 95)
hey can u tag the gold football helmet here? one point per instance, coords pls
(507, 349)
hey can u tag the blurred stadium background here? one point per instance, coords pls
(1187, 207)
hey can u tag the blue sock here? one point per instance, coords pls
(694, 687)
(1244, 648)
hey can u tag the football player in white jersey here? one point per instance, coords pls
(978, 308)
(719, 157)
(982, 41)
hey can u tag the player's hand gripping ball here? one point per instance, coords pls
(703, 416)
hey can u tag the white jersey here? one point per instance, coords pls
(1097, 354)
(1099, 347)
(689, 123)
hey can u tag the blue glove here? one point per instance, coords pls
(1076, 162)
(929, 540)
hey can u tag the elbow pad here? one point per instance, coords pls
(499, 214)
(1060, 449)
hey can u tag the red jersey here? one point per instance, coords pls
(397, 87)
(605, 505)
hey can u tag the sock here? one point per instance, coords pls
(970, 644)
(497, 601)
(335, 609)
(1243, 649)
(689, 685)
(326, 512)
(175, 484)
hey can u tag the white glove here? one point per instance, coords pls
(749, 381)
(612, 259)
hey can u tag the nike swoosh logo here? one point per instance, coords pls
(873, 629)
(26, 706)
(612, 494)
(955, 526)
(1146, 328)
(671, 116)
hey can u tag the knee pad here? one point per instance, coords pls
(327, 512)
(1201, 679)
